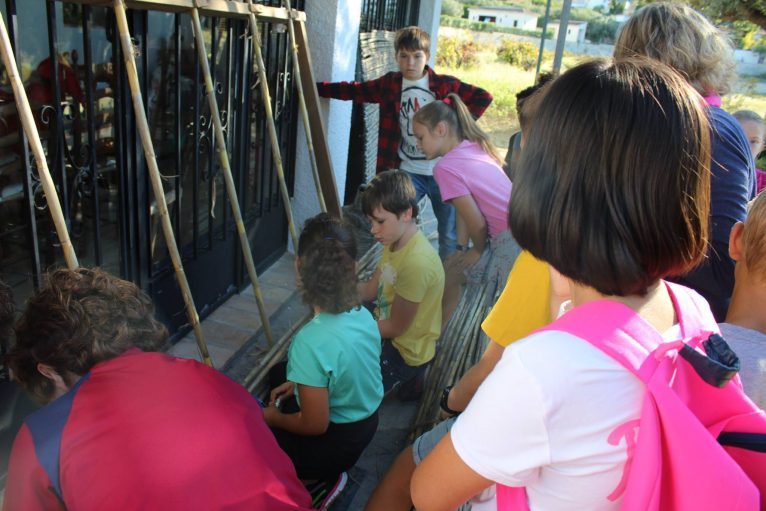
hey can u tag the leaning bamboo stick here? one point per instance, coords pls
(266, 97)
(155, 178)
(277, 353)
(303, 108)
(231, 191)
(30, 129)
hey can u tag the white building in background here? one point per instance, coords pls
(590, 4)
(575, 30)
(511, 17)
(747, 57)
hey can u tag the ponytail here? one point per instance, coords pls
(452, 111)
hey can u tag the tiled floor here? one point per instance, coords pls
(237, 321)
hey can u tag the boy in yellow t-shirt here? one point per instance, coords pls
(408, 283)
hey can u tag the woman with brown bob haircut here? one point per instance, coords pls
(612, 191)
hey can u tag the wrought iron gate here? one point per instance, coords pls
(70, 61)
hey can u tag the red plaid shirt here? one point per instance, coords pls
(387, 91)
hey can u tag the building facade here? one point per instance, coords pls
(510, 17)
(575, 31)
(71, 66)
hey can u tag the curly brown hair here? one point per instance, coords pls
(78, 319)
(327, 264)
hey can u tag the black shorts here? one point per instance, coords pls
(325, 456)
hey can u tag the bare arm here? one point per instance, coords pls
(468, 211)
(402, 314)
(443, 481)
(461, 230)
(368, 290)
(312, 419)
(463, 391)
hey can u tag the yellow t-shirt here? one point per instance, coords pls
(524, 304)
(415, 273)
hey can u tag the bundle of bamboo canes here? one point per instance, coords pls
(460, 346)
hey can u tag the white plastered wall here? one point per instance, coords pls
(332, 27)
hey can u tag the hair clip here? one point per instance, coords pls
(447, 101)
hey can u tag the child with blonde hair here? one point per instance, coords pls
(745, 326)
(471, 178)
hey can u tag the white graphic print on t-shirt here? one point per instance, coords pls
(415, 95)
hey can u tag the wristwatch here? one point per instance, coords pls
(443, 402)
(461, 248)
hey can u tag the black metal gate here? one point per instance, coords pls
(70, 62)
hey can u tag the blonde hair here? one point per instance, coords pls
(453, 112)
(754, 237)
(679, 36)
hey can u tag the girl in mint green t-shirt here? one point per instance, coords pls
(325, 414)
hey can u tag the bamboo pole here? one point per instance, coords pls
(303, 108)
(155, 178)
(266, 97)
(30, 129)
(277, 352)
(231, 191)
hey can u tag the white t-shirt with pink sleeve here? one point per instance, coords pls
(469, 170)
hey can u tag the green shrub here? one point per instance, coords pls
(457, 52)
(452, 8)
(523, 55)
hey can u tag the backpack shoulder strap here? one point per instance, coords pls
(47, 428)
(694, 315)
(629, 339)
(619, 332)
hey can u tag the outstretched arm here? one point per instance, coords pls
(370, 91)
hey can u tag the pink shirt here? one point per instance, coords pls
(468, 170)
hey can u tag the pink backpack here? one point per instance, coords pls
(700, 446)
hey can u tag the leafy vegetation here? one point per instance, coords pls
(457, 52)
(504, 80)
(520, 54)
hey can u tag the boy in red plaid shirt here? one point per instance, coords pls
(400, 95)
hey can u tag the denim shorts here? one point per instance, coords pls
(426, 442)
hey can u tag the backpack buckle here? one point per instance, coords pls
(718, 365)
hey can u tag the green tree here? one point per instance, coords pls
(759, 47)
(452, 8)
(616, 6)
(753, 11)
